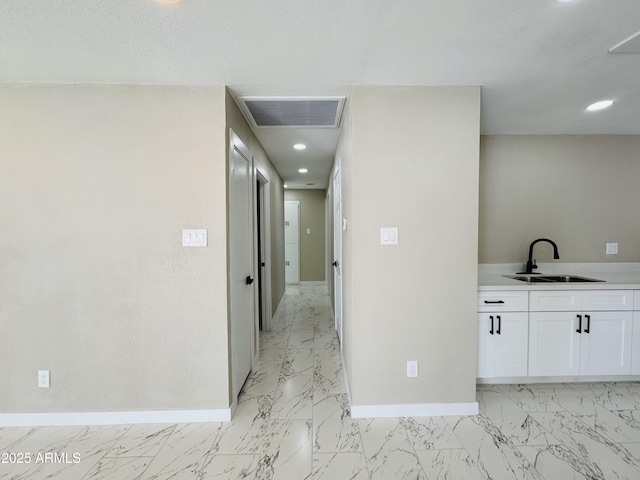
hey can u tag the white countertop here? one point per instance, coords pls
(615, 275)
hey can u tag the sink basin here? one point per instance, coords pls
(552, 278)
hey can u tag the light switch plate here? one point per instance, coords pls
(194, 237)
(612, 249)
(389, 236)
(412, 368)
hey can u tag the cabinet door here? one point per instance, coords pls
(485, 345)
(605, 343)
(554, 344)
(510, 344)
(635, 342)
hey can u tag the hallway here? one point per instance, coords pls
(293, 423)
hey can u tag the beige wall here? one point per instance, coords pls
(580, 191)
(312, 205)
(237, 122)
(96, 185)
(410, 159)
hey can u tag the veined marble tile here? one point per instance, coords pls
(326, 346)
(273, 339)
(303, 335)
(454, 464)
(573, 400)
(325, 327)
(118, 468)
(10, 437)
(430, 433)
(230, 467)
(511, 420)
(333, 428)
(530, 398)
(304, 312)
(613, 396)
(298, 360)
(39, 442)
(90, 445)
(558, 461)
(287, 453)
(246, 433)
(48, 439)
(618, 426)
(293, 398)
(339, 466)
(388, 451)
(589, 447)
(270, 363)
(184, 452)
(328, 376)
(494, 454)
(263, 380)
(141, 441)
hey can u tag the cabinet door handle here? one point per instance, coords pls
(491, 318)
(588, 317)
(493, 301)
(579, 330)
(499, 324)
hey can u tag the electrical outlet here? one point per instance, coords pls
(43, 379)
(412, 368)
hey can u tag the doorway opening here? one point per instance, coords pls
(262, 239)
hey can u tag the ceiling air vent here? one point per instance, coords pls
(316, 112)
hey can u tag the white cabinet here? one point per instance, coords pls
(580, 333)
(502, 344)
(502, 334)
(635, 342)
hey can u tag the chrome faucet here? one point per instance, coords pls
(531, 264)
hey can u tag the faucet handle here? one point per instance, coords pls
(534, 266)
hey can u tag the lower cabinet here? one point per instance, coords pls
(635, 342)
(558, 333)
(502, 344)
(570, 343)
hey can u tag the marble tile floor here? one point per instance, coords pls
(293, 423)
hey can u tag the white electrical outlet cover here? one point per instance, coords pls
(43, 378)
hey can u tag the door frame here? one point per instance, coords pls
(337, 249)
(262, 177)
(236, 143)
(328, 218)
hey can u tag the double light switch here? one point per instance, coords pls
(389, 236)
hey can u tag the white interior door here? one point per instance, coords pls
(241, 260)
(337, 251)
(292, 241)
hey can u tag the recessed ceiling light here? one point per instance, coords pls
(303, 170)
(286, 186)
(601, 105)
(299, 146)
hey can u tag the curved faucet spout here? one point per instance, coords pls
(531, 263)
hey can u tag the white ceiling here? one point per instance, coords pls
(539, 62)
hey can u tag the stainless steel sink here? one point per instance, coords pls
(552, 278)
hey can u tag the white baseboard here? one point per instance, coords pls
(414, 410)
(113, 418)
